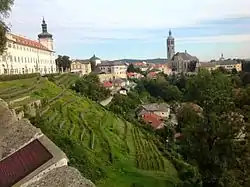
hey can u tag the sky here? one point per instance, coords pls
(115, 29)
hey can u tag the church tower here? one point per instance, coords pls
(45, 38)
(170, 46)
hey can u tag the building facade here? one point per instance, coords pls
(182, 61)
(24, 56)
(170, 46)
(82, 67)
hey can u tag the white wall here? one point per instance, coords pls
(23, 59)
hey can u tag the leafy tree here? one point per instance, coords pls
(234, 71)
(5, 7)
(213, 91)
(131, 68)
(90, 86)
(63, 63)
(212, 143)
(192, 66)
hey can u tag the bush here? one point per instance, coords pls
(18, 76)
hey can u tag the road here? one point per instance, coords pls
(106, 101)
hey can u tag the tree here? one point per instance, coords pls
(5, 7)
(212, 143)
(90, 86)
(131, 68)
(63, 63)
(192, 66)
(234, 71)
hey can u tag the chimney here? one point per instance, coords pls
(185, 51)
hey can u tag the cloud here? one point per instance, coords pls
(237, 38)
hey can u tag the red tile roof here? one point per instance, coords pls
(107, 84)
(22, 163)
(153, 119)
(29, 43)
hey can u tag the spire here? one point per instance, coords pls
(170, 32)
(44, 26)
(44, 33)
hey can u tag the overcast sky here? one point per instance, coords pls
(138, 28)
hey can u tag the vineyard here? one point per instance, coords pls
(109, 151)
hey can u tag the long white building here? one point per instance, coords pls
(24, 56)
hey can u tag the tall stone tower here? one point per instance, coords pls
(170, 46)
(45, 38)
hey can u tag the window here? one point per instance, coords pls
(18, 59)
(10, 58)
(9, 45)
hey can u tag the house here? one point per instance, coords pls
(182, 61)
(108, 85)
(229, 64)
(123, 91)
(208, 66)
(154, 120)
(82, 67)
(143, 66)
(153, 74)
(107, 71)
(119, 82)
(160, 109)
(134, 75)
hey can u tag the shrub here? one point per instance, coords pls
(18, 76)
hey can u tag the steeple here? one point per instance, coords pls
(44, 33)
(170, 46)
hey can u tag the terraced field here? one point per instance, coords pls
(109, 151)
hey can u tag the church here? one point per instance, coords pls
(24, 56)
(181, 62)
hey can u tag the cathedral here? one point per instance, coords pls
(23, 56)
(181, 62)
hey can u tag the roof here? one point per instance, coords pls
(22, 163)
(156, 107)
(226, 62)
(107, 84)
(112, 63)
(27, 42)
(82, 61)
(207, 64)
(153, 119)
(186, 56)
(118, 81)
(94, 58)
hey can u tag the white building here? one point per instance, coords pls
(28, 56)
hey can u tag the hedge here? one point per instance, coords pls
(18, 76)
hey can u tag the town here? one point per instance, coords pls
(89, 121)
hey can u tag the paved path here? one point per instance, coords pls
(106, 101)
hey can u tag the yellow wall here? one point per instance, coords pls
(110, 76)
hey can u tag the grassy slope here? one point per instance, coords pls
(106, 149)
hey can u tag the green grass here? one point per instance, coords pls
(109, 151)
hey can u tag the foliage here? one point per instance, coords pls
(160, 88)
(63, 63)
(18, 76)
(131, 68)
(90, 86)
(192, 66)
(5, 7)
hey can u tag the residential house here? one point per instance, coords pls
(108, 71)
(154, 120)
(153, 74)
(120, 82)
(82, 67)
(160, 109)
(134, 75)
(181, 62)
(208, 66)
(123, 91)
(143, 66)
(229, 64)
(108, 85)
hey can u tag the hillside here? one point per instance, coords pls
(106, 149)
(155, 61)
